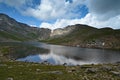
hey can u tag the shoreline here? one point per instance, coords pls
(80, 46)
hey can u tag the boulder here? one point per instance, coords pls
(91, 70)
(10, 78)
(106, 68)
(115, 73)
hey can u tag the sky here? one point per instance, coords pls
(54, 14)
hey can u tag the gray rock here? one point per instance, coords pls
(10, 67)
(72, 70)
(106, 68)
(91, 70)
(38, 70)
(115, 73)
(10, 78)
(56, 72)
(85, 78)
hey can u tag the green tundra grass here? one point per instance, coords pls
(35, 71)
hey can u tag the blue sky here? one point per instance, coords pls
(14, 13)
(60, 13)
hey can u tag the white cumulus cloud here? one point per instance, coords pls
(55, 9)
(102, 13)
(89, 19)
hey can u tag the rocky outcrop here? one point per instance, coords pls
(40, 33)
(61, 32)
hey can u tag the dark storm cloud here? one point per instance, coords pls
(105, 9)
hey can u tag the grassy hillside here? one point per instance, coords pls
(86, 36)
(9, 36)
(11, 30)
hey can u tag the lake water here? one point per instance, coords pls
(72, 55)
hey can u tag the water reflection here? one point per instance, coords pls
(73, 55)
(53, 59)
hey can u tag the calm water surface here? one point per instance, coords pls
(72, 55)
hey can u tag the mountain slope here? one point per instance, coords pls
(11, 30)
(86, 36)
(74, 35)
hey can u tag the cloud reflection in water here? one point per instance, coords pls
(53, 59)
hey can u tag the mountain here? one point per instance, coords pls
(86, 36)
(11, 30)
(73, 35)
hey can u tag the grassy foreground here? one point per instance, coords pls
(34, 71)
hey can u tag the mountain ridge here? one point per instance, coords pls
(12, 30)
(87, 36)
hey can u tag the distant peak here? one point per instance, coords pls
(6, 18)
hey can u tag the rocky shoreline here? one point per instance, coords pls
(83, 46)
